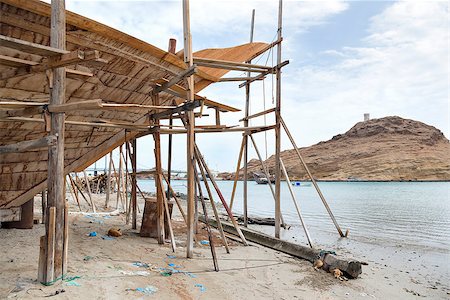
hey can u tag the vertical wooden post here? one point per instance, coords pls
(50, 262)
(44, 205)
(66, 240)
(108, 181)
(278, 129)
(134, 183)
(172, 49)
(88, 186)
(217, 116)
(190, 132)
(159, 187)
(56, 152)
(247, 111)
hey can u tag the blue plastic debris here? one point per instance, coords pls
(202, 288)
(148, 290)
(171, 256)
(204, 242)
(108, 238)
(73, 283)
(93, 233)
(141, 264)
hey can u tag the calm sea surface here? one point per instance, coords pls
(397, 224)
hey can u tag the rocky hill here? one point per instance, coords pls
(390, 148)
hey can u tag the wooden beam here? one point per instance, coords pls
(53, 62)
(217, 117)
(134, 183)
(159, 187)
(188, 106)
(12, 214)
(99, 123)
(268, 111)
(278, 129)
(190, 71)
(56, 176)
(75, 106)
(232, 68)
(17, 63)
(268, 47)
(201, 61)
(22, 112)
(188, 59)
(230, 79)
(33, 48)
(29, 145)
(271, 71)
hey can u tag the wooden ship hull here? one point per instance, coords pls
(121, 72)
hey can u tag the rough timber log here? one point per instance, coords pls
(350, 268)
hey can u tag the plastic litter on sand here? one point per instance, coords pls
(202, 288)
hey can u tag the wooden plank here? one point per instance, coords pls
(190, 71)
(15, 62)
(75, 106)
(201, 60)
(231, 79)
(271, 71)
(268, 111)
(21, 112)
(10, 214)
(29, 145)
(231, 68)
(29, 47)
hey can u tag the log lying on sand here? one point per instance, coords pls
(257, 221)
(350, 268)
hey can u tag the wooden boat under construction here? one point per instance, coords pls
(113, 70)
(72, 90)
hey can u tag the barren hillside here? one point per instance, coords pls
(390, 148)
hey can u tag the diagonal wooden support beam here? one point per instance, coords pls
(188, 106)
(271, 71)
(190, 71)
(29, 145)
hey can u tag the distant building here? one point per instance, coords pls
(366, 117)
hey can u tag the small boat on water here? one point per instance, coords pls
(298, 183)
(262, 179)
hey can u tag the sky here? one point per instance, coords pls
(346, 58)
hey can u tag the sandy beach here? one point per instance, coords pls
(131, 267)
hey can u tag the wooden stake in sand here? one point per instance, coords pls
(288, 182)
(312, 179)
(219, 193)
(208, 227)
(213, 205)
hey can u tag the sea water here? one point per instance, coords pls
(404, 225)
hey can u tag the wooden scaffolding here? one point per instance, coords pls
(72, 90)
